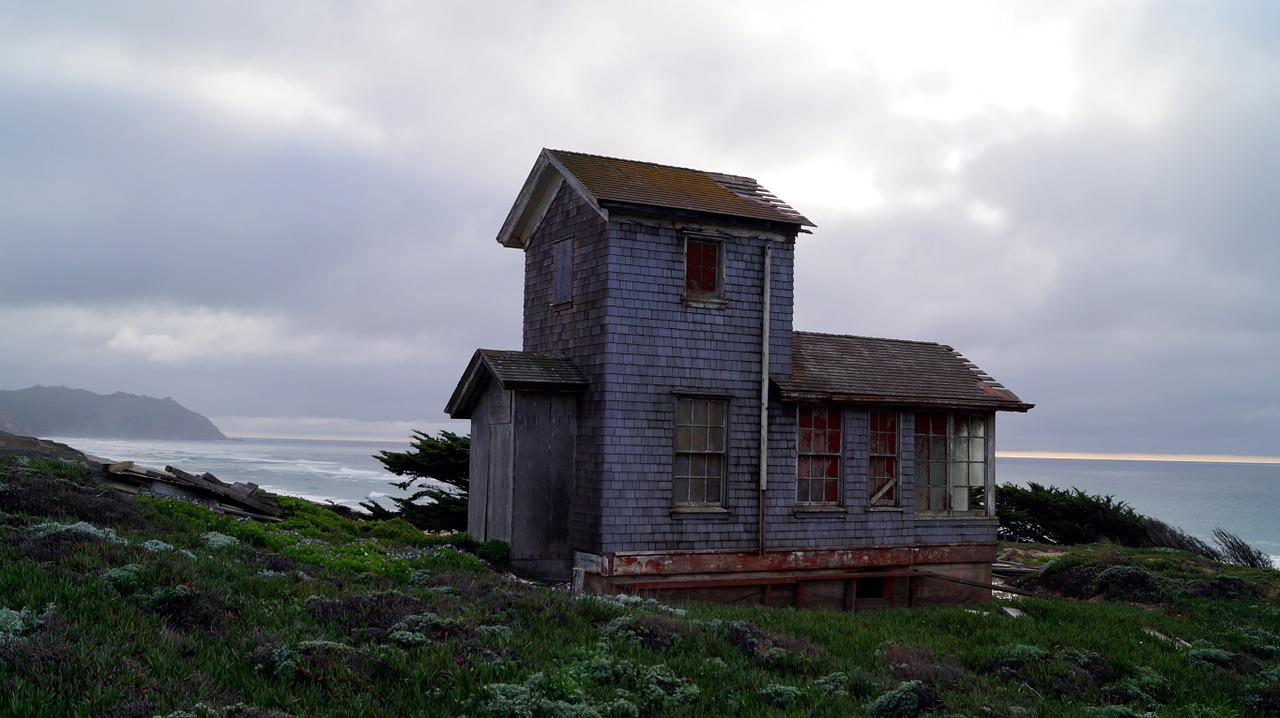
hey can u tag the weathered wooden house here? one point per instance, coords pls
(636, 443)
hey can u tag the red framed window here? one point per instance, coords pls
(818, 457)
(702, 268)
(883, 477)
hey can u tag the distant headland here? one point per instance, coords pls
(59, 411)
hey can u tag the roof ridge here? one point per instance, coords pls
(879, 339)
(642, 162)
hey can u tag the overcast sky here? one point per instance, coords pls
(282, 214)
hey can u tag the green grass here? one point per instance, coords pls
(198, 614)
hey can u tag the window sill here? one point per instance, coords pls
(705, 302)
(700, 512)
(959, 517)
(819, 510)
(890, 509)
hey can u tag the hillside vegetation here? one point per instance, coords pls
(121, 607)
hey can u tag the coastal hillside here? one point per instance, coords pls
(60, 411)
(119, 606)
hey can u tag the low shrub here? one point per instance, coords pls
(1133, 583)
(906, 700)
(1144, 688)
(780, 695)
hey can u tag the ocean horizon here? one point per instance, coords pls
(1196, 493)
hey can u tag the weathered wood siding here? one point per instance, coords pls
(574, 329)
(489, 505)
(543, 462)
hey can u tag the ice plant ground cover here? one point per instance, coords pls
(122, 608)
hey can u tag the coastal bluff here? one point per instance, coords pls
(65, 412)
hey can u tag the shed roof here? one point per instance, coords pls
(867, 370)
(606, 180)
(513, 370)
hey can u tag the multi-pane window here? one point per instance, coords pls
(883, 478)
(818, 459)
(951, 463)
(701, 268)
(700, 451)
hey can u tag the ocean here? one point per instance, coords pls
(1196, 497)
(343, 472)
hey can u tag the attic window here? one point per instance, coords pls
(702, 269)
(562, 269)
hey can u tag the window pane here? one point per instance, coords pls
(715, 439)
(715, 413)
(833, 442)
(700, 413)
(977, 426)
(938, 498)
(684, 412)
(831, 494)
(715, 465)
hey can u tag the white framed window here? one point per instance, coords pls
(953, 472)
(700, 451)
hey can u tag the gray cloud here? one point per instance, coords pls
(286, 212)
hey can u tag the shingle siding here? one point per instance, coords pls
(640, 345)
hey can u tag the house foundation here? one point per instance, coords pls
(832, 579)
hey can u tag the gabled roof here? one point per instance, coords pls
(608, 181)
(865, 370)
(513, 370)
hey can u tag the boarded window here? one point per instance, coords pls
(562, 269)
(818, 459)
(701, 268)
(883, 478)
(951, 463)
(700, 451)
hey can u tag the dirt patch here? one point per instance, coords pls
(186, 608)
(657, 631)
(379, 611)
(916, 663)
(774, 651)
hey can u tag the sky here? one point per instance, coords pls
(283, 215)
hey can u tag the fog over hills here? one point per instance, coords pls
(45, 411)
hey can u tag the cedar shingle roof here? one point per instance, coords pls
(865, 370)
(513, 370)
(646, 183)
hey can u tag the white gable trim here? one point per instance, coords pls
(539, 190)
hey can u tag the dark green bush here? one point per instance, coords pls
(1047, 514)
(495, 551)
